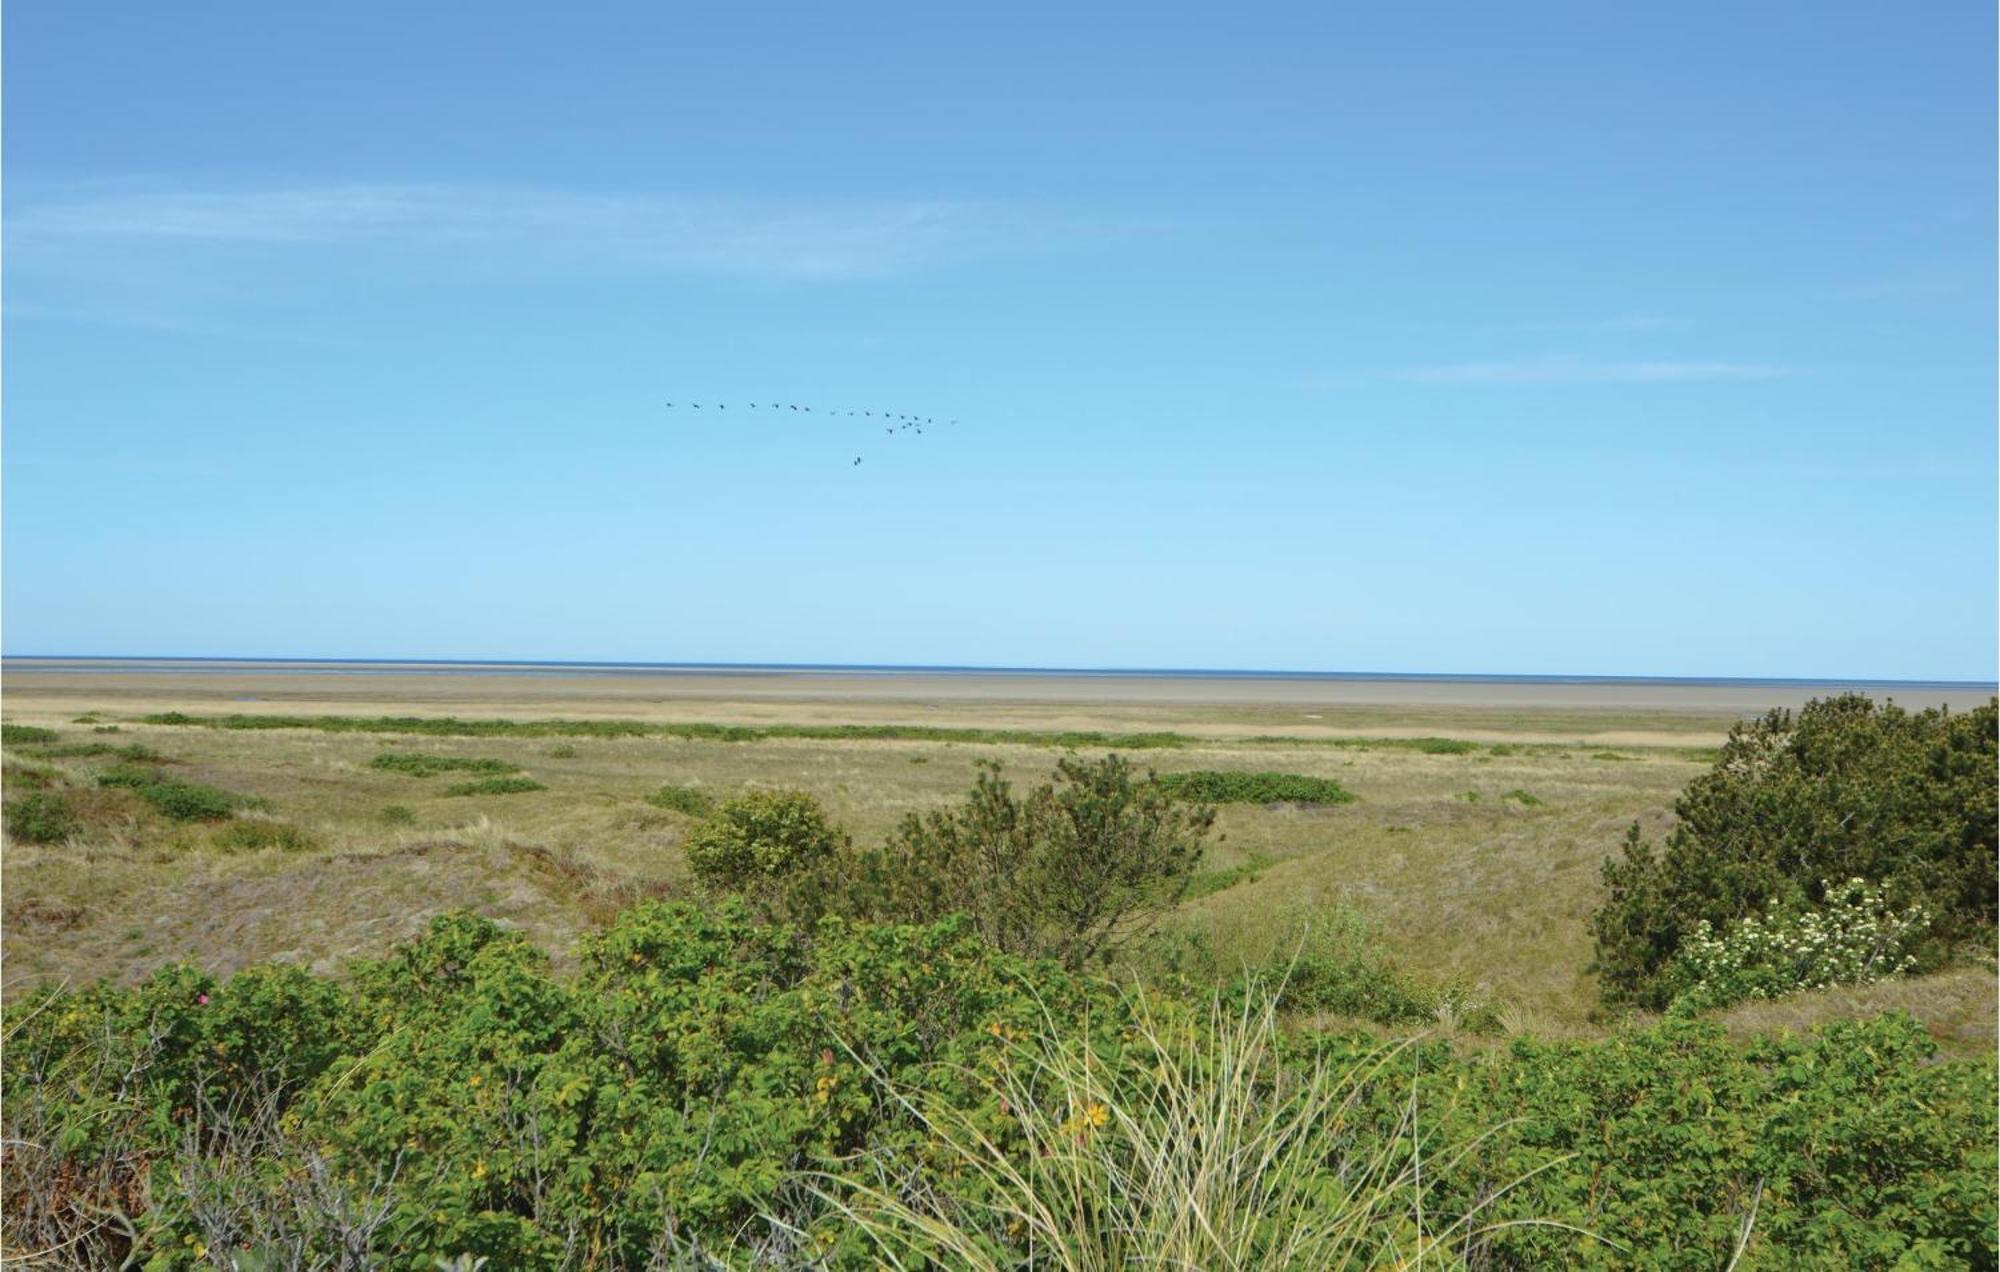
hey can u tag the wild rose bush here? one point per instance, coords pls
(1854, 939)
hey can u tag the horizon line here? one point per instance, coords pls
(1000, 669)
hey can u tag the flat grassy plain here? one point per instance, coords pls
(1478, 863)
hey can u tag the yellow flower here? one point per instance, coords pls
(474, 1080)
(479, 1170)
(1096, 1115)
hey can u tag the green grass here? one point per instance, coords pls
(25, 734)
(1527, 799)
(496, 786)
(1209, 882)
(682, 799)
(413, 764)
(1210, 787)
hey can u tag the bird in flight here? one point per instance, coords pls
(857, 462)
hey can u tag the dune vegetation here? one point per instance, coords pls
(275, 999)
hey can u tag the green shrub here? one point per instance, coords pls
(1210, 787)
(25, 735)
(1526, 799)
(761, 845)
(398, 815)
(1846, 789)
(256, 835)
(1853, 939)
(182, 801)
(776, 1098)
(496, 786)
(1074, 870)
(189, 801)
(564, 752)
(416, 765)
(43, 817)
(683, 799)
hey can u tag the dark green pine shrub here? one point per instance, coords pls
(1846, 789)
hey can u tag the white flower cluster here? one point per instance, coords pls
(1852, 939)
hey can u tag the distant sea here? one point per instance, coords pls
(140, 664)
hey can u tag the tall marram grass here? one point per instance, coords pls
(1216, 1155)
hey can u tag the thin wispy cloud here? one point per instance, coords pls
(162, 251)
(1574, 370)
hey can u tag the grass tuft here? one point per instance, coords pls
(26, 735)
(1221, 1154)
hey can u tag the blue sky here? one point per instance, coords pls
(1440, 338)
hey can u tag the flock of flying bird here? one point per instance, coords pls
(908, 423)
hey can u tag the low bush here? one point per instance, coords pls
(181, 801)
(1210, 787)
(397, 815)
(26, 735)
(762, 846)
(706, 1088)
(43, 817)
(1526, 799)
(257, 835)
(1845, 789)
(683, 799)
(412, 764)
(496, 786)
(1072, 871)
(1443, 746)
